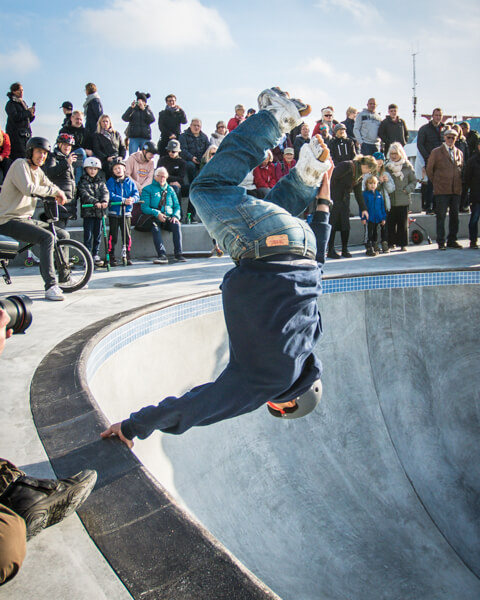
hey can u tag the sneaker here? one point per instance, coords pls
(129, 262)
(161, 260)
(289, 112)
(97, 261)
(441, 246)
(180, 258)
(54, 293)
(370, 251)
(45, 502)
(313, 161)
(385, 248)
(333, 253)
(454, 244)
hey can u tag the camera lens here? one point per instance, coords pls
(19, 311)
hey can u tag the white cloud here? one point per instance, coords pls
(21, 60)
(363, 12)
(320, 66)
(165, 24)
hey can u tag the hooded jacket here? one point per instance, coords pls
(61, 173)
(140, 169)
(139, 122)
(120, 190)
(91, 190)
(366, 127)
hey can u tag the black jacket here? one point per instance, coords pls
(297, 144)
(139, 122)
(104, 147)
(175, 167)
(18, 126)
(473, 139)
(82, 137)
(392, 131)
(472, 178)
(62, 175)
(341, 149)
(193, 146)
(429, 138)
(347, 176)
(92, 114)
(91, 190)
(169, 121)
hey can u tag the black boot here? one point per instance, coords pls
(45, 502)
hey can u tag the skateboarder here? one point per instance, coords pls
(270, 296)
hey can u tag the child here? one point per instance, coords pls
(92, 189)
(376, 214)
(386, 186)
(59, 169)
(122, 189)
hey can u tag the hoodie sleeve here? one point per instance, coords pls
(357, 127)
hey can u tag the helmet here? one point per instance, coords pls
(117, 161)
(65, 138)
(37, 142)
(305, 403)
(91, 161)
(150, 147)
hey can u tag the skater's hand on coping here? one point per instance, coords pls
(115, 430)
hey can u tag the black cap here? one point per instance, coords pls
(68, 105)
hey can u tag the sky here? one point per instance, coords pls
(214, 54)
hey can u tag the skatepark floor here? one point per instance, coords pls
(62, 562)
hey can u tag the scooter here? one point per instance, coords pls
(416, 234)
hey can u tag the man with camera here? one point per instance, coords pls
(27, 504)
(25, 181)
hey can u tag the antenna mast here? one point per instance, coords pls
(414, 98)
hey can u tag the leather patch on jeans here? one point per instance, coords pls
(277, 240)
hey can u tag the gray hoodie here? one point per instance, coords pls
(366, 127)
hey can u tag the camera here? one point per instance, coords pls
(18, 308)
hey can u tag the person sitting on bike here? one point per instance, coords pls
(25, 179)
(123, 194)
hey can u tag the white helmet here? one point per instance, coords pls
(91, 161)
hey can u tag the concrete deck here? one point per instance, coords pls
(63, 562)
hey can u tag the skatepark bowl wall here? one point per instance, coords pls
(375, 495)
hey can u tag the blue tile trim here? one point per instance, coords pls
(177, 313)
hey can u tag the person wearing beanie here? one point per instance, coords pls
(139, 118)
(341, 147)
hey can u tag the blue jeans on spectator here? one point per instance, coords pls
(135, 144)
(473, 223)
(82, 155)
(176, 230)
(369, 149)
(92, 234)
(242, 225)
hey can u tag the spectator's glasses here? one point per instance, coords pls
(328, 115)
(450, 137)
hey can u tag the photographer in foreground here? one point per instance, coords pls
(27, 504)
(25, 179)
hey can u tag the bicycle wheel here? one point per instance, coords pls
(74, 265)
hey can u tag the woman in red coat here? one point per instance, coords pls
(264, 175)
(5, 148)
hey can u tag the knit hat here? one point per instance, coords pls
(379, 156)
(338, 127)
(142, 96)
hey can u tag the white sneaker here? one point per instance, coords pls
(289, 112)
(54, 293)
(313, 161)
(97, 260)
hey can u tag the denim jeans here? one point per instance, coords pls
(176, 230)
(37, 232)
(92, 234)
(242, 225)
(473, 223)
(82, 155)
(135, 144)
(369, 149)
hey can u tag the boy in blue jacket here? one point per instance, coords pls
(270, 296)
(377, 215)
(123, 191)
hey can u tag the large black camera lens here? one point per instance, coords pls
(19, 311)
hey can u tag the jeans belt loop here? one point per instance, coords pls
(257, 249)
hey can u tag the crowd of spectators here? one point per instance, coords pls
(366, 149)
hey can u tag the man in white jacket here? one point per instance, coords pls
(25, 179)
